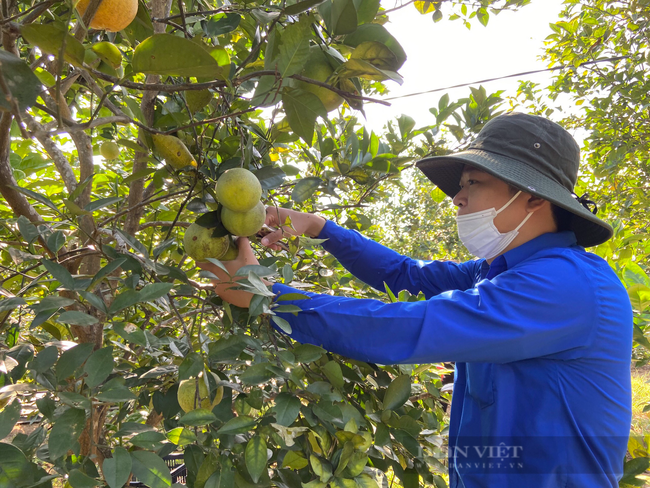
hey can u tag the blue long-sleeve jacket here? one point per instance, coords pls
(542, 342)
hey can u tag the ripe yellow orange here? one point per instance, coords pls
(112, 15)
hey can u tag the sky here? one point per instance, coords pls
(447, 53)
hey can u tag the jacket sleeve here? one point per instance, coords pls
(375, 264)
(536, 309)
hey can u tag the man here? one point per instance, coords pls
(540, 329)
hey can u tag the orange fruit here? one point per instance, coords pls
(112, 15)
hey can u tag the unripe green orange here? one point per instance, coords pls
(109, 150)
(197, 99)
(238, 189)
(200, 245)
(244, 223)
(187, 394)
(232, 252)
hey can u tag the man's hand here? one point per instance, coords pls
(300, 224)
(224, 286)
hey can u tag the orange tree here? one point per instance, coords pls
(104, 318)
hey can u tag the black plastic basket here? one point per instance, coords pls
(176, 468)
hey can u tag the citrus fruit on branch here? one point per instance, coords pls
(200, 245)
(109, 150)
(193, 393)
(112, 15)
(238, 190)
(174, 151)
(244, 223)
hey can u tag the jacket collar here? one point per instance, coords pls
(549, 240)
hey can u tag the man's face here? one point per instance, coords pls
(482, 191)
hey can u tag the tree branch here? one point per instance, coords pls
(159, 9)
(60, 161)
(164, 223)
(82, 27)
(17, 201)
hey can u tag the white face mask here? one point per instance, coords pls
(479, 234)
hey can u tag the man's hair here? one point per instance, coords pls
(561, 217)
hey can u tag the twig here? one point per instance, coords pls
(82, 27)
(164, 223)
(192, 14)
(144, 202)
(41, 6)
(397, 8)
(167, 88)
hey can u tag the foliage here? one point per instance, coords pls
(103, 314)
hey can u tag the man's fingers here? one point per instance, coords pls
(272, 238)
(272, 216)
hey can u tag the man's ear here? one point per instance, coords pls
(535, 203)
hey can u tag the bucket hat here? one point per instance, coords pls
(533, 154)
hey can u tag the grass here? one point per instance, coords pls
(640, 398)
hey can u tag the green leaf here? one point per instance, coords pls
(56, 241)
(21, 81)
(170, 55)
(397, 392)
(363, 69)
(72, 359)
(303, 6)
(256, 374)
(50, 38)
(15, 469)
(181, 436)
(228, 348)
(75, 209)
(154, 291)
(221, 24)
(94, 300)
(65, 432)
(282, 323)
(51, 302)
(101, 203)
(287, 409)
(106, 270)
(333, 372)
(116, 395)
(77, 479)
(294, 460)
(150, 469)
(192, 365)
(45, 359)
(294, 49)
(198, 417)
(305, 188)
(148, 440)
(270, 177)
(237, 425)
(302, 109)
(376, 32)
(74, 317)
(343, 17)
(11, 304)
(99, 366)
(125, 299)
(307, 353)
(255, 457)
(138, 175)
(60, 274)
(118, 468)
(8, 418)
